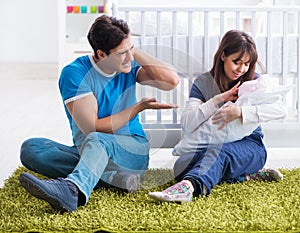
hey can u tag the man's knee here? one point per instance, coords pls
(92, 136)
(98, 139)
(28, 151)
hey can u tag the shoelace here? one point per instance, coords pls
(178, 188)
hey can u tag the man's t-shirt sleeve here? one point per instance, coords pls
(72, 84)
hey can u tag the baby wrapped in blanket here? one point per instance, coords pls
(254, 92)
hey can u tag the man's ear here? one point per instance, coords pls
(101, 55)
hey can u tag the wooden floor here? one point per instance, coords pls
(32, 107)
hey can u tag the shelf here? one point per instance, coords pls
(77, 26)
(74, 27)
(83, 9)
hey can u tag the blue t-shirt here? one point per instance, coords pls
(114, 93)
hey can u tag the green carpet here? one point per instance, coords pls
(245, 207)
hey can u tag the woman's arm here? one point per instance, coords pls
(154, 72)
(196, 112)
(256, 113)
(264, 112)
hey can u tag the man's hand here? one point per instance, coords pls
(151, 103)
(155, 72)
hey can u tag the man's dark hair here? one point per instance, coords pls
(107, 33)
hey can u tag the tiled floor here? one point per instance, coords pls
(33, 108)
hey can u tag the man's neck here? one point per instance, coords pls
(101, 65)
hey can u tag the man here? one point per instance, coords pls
(110, 146)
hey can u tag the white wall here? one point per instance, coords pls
(189, 2)
(29, 31)
(209, 2)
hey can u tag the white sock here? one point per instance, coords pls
(204, 190)
(189, 184)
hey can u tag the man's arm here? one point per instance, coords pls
(154, 72)
(84, 113)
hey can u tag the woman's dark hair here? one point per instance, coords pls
(107, 33)
(234, 41)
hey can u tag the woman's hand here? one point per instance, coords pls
(226, 114)
(226, 96)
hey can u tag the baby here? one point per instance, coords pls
(254, 92)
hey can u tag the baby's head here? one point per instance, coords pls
(263, 85)
(256, 85)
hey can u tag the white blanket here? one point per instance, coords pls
(254, 92)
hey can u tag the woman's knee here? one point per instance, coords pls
(182, 165)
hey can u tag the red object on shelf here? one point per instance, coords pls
(69, 9)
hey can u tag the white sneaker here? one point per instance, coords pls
(266, 174)
(179, 192)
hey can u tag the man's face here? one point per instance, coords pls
(121, 57)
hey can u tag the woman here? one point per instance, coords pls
(206, 165)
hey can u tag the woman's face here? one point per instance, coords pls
(235, 67)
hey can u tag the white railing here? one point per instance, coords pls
(188, 39)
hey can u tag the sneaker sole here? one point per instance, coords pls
(161, 198)
(35, 190)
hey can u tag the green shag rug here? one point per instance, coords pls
(244, 207)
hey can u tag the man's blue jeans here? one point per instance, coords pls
(99, 158)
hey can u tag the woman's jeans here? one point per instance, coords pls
(228, 162)
(99, 158)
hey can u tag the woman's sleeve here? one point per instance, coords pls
(195, 113)
(264, 112)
